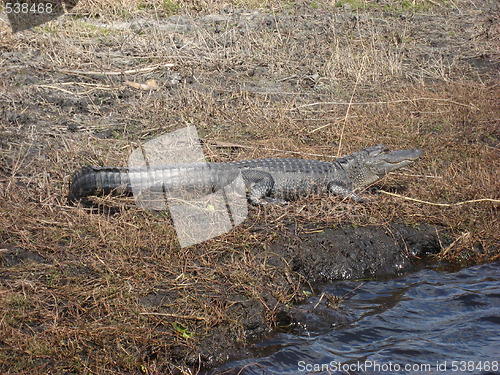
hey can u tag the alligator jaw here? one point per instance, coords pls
(393, 160)
(402, 158)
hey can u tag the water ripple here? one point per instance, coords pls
(429, 322)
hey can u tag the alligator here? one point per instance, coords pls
(272, 180)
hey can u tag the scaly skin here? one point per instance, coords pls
(266, 180)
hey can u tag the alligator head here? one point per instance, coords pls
(375, 162)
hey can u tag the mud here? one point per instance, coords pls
(319, 254)
(322, 255)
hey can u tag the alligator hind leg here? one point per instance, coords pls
(259, 186)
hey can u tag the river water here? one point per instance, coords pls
(429, 322)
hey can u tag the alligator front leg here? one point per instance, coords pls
(338, 188)
(259, 185)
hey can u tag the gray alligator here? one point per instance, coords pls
(273, 180)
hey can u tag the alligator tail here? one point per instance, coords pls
(93, 180)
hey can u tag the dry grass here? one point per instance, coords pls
(87, 292)
(121, 8)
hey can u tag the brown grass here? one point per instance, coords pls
(88, 292)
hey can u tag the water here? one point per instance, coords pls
(430, 322)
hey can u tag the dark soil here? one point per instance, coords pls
(357, 253)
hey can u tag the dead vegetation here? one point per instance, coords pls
(85, 292)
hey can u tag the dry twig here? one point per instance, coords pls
(441, 204)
